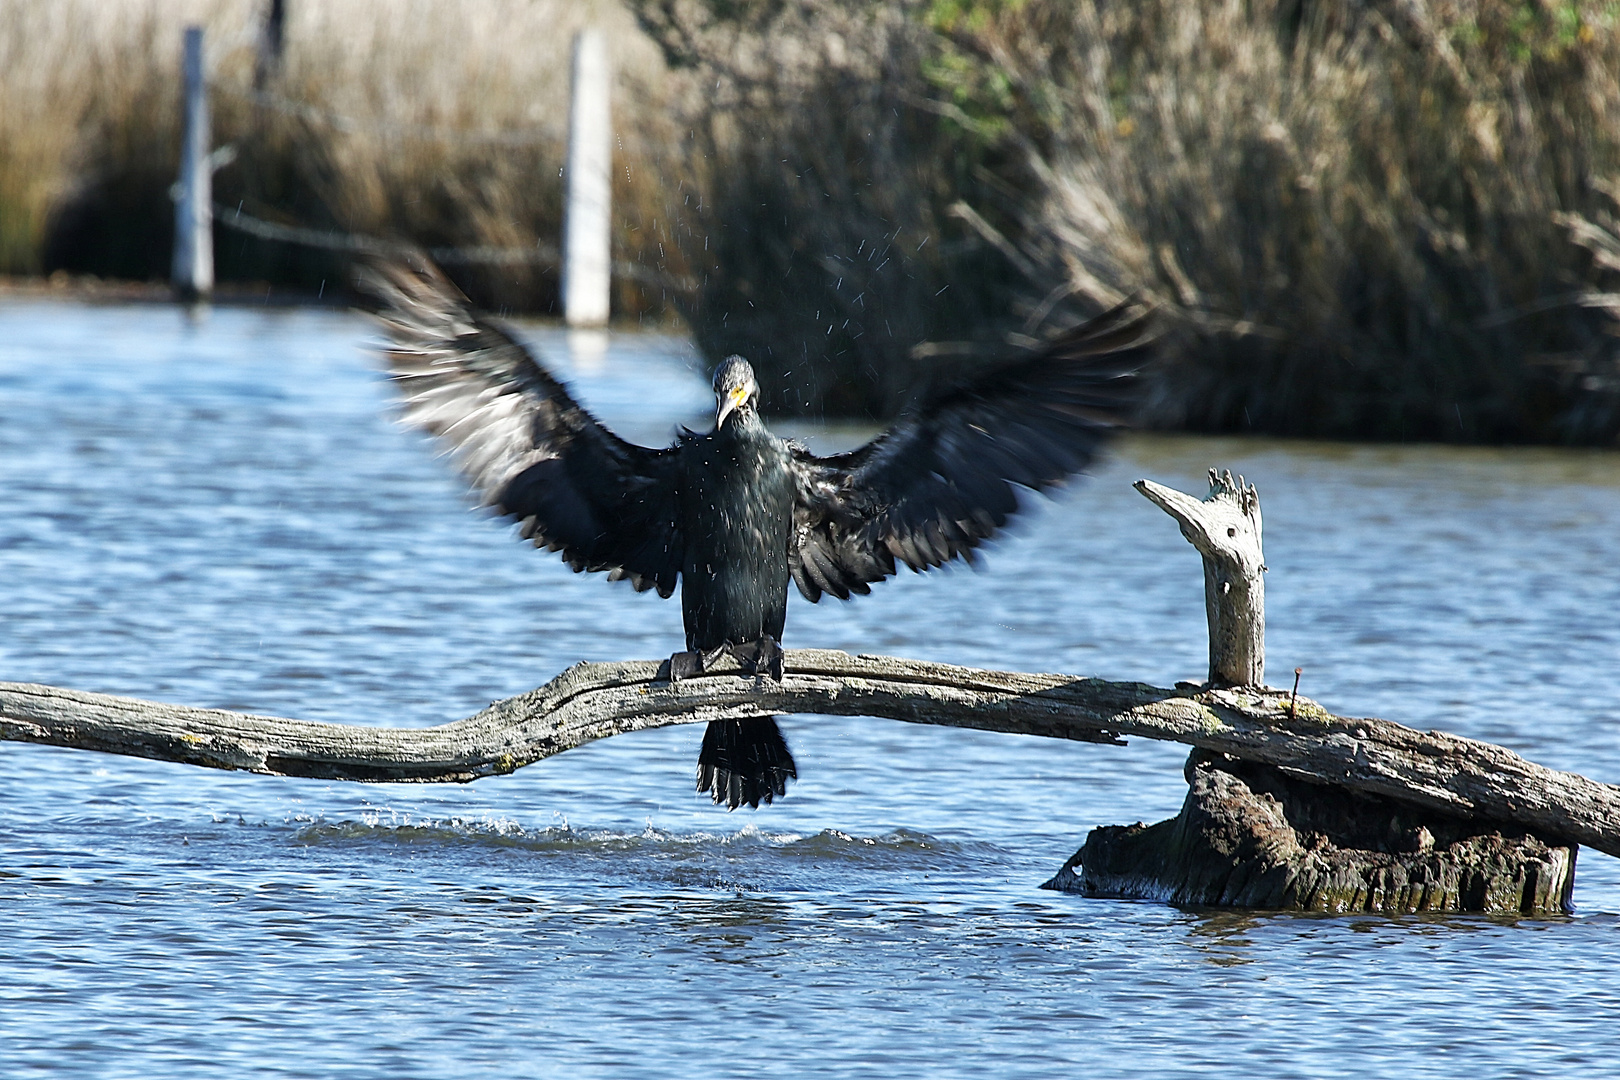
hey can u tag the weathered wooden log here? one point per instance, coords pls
(1255, 836)
(1441, 773)
(1288, 805)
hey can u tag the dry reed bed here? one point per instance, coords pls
(1386, 220)
(443, 122)
(1358, 217)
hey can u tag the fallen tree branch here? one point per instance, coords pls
(1433, 770)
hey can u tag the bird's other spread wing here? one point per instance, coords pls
(517, 436)
(942, 480)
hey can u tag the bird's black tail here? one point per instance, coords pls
(745, 761)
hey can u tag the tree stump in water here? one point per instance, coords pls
(1252, 835)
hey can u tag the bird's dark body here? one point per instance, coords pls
(735, 510)
(729, 517)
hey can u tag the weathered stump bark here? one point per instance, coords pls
(1250, 835)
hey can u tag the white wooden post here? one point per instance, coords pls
(587, 217)
(192, 274)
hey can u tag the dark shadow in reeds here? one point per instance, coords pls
(816, 204)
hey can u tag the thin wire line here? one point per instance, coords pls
(435, 132)
(541, 254)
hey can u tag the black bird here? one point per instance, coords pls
(731, 515)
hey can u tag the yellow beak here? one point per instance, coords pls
(730, 403)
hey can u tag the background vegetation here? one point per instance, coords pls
(1358, 217)
(440, 121)
(1394, 219)
(1391, 220)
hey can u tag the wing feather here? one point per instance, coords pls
(517, 436)
(946, 476)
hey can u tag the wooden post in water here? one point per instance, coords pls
(587, 216)
(192, 273)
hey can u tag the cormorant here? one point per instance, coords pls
(732, 515)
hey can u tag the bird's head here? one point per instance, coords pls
(735, 390)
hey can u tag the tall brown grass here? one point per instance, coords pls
(1357, 218)
(1378, 220)
(441, 122)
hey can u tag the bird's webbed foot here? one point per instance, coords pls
(685, 665)
(771, 658)
(762, 657)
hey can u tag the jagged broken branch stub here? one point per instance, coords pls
(1225, 528)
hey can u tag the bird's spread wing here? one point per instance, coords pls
(941, 481)
(523, 443)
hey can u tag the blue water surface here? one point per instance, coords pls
(221, 511)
